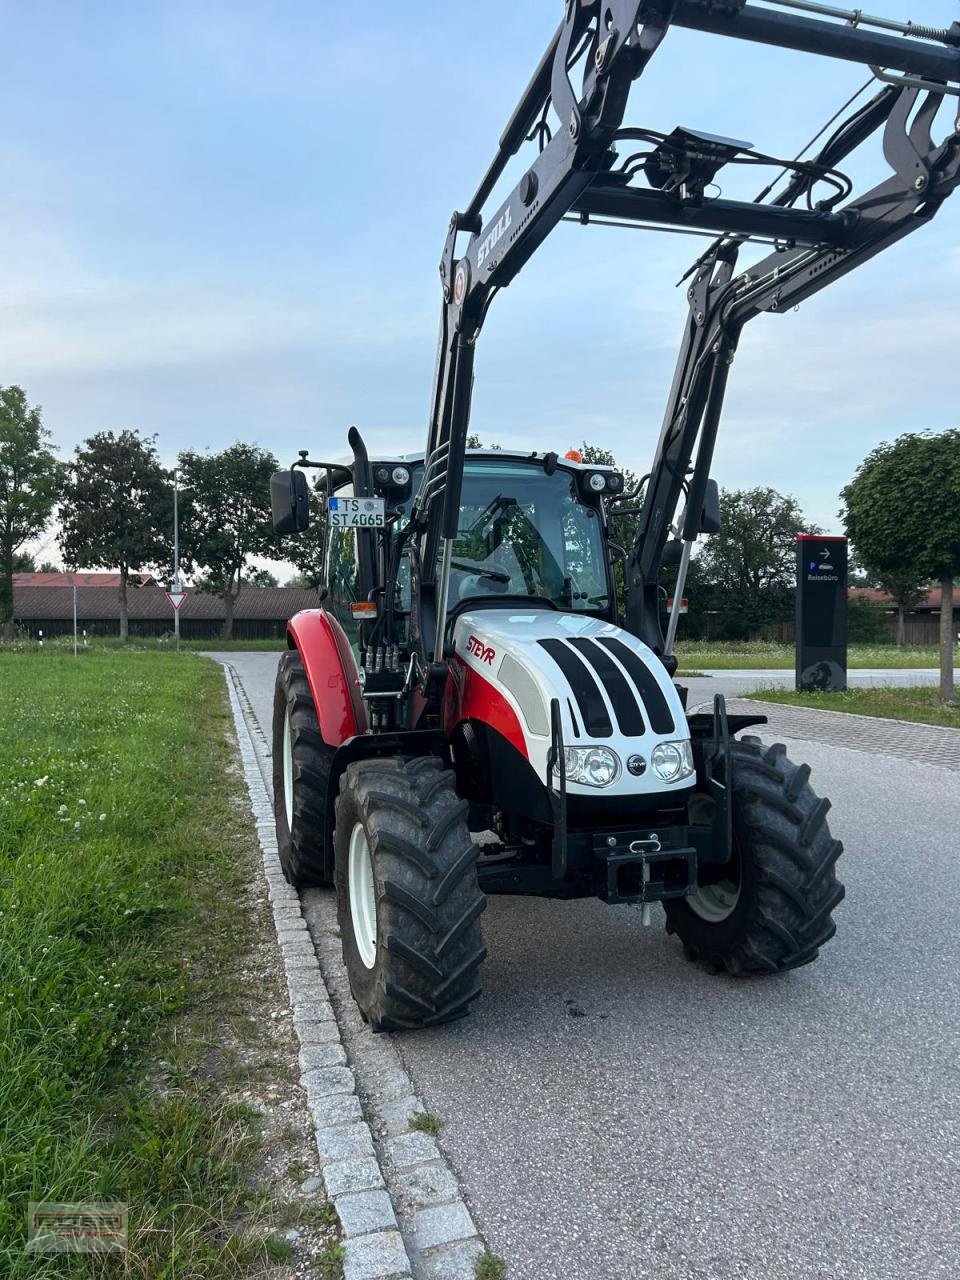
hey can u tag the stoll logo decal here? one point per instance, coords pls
(495, 233)
(76, 1228)
(481, 650)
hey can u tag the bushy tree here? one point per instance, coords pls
(31, 478)
(226, 517)
(866, 622)
(902, 513)
(749, 567)
(905, 593)
(117, 509)
(260, 578)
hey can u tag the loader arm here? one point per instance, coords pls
(576, 174)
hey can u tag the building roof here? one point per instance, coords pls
(102, 604)
(932, 600)
(80, 580)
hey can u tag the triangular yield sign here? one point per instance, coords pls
(176, 598)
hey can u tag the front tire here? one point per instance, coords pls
(301, 774)
(408, 902)
(769, 909)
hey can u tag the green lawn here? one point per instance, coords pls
(142, 644)
(124, 847)
(922, 705)
(767, 656)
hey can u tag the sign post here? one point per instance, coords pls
(175, 587)
(821, 640)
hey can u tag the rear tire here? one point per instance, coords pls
(301, 773)
(408, 902)
(771, 908)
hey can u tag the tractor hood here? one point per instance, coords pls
(612, 691)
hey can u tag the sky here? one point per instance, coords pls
(222, 221)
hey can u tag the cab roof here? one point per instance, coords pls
(523, 455)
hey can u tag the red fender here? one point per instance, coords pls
(331, 673)
(468, 696)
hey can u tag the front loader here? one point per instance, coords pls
(469, 710)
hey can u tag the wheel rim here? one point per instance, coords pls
(288, 771)
(363, 902)
(714, 902)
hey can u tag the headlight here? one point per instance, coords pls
(597, 482)
(592, 766)
(401, 475)
(672, 761)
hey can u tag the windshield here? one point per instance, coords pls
(522, 532)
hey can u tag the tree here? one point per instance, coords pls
(905, 594)
(226, 517)
(902, 513)
(750, 565)
(866, 622)
(30, 482)
(260, 578)
(117, 509)
(23, 562)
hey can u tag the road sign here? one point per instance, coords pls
(176, 598)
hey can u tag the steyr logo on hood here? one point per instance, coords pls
(481, 650)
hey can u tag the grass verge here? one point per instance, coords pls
(921, 705)
(140, 644)
(129, 1002)
(767, 656)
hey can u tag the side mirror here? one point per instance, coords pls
(289, 501)
(710, 515)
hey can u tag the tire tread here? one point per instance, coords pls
(429, 902)
(793, 857)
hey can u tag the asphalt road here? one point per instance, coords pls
(614, 1113)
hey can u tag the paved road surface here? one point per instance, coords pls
(616, 1114)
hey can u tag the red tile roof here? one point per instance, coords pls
(932, 600)
(79, 579)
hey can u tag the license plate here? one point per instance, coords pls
(356, 513)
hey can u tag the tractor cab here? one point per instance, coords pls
(532, 526)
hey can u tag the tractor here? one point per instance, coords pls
(472, 709)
